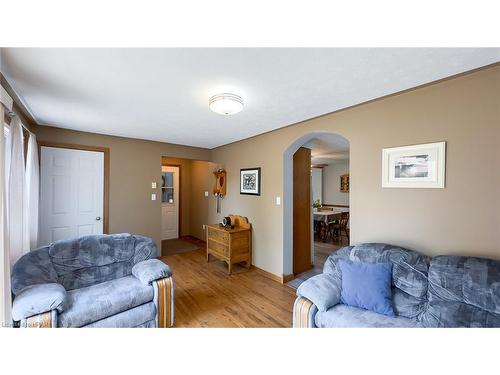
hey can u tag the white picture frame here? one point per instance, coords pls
(416, 166)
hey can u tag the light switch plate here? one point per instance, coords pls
(153, 196)
(153, 185)
(206, 194)
(278, 201)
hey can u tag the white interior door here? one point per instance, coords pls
(170, 202)
(71, 193)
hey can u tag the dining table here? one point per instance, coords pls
(324, 217)
(328, 216)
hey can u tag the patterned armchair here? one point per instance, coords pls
(94, 281)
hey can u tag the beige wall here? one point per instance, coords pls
(134, 164)
(331, 183)
(463, 218)
(202, 180)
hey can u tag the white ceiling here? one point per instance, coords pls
(330, 149)
(162, 94)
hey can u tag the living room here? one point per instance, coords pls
(277, 187)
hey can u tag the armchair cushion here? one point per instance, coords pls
(39, 298)
(33, 268)
(90, 260)
(323, 290)
(100, 301)
(150, 270)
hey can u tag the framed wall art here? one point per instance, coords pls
(417, 166)
(250, 181)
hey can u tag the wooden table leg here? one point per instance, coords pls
(229, 267)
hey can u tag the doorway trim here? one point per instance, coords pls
(105, 151)
(288, 194)
(179, 214)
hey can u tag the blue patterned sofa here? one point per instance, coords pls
(444, 291)
(93, 281)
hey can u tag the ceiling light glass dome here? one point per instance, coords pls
(226, 104)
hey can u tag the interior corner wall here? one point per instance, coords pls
(134, 164)
(331, 183)
(463, 218)
(202, 181)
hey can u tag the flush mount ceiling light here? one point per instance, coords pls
(226, 104)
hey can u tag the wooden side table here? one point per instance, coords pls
(231, 245)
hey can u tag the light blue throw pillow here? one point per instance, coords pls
(367, 285)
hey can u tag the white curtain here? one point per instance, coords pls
(32, 189)
(17, 194)
(5, 294)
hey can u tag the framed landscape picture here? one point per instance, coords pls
(417, 166)
(250, 181)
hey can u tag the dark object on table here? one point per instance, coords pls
(226, 223)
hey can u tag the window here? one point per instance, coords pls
(167, 187)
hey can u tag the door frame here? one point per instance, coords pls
(179, 213)
(105, 151)
(287, 202)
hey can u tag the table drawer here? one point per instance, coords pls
(218, 248)
(218, 235)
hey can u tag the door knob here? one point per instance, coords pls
(98, 218)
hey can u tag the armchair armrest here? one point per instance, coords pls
(164, 301)
(323, 290)
(38, 299)
(158, 274)
(150, 270)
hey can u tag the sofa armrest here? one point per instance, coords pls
(38, 299)
(164, 301)
(304, 312)
(149, 270)
(323, 290)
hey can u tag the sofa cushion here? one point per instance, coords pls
(343, 316)
(409, 268)
(407, 305)
(463, 292)
(90, 260)
(96, 302)
(409, 273)
(140, 316)
(367, 285)
(331, 266)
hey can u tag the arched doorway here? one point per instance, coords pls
(296, 148)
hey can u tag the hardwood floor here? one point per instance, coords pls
(206, 296)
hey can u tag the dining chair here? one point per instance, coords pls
(321, 230)
(335, 228)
